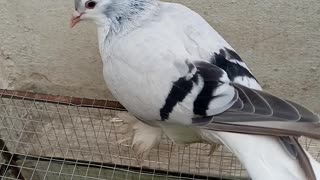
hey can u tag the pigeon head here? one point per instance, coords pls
(116, 11)
(89, 10)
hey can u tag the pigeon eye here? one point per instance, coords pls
(90, 4)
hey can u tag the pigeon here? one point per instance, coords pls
(176, 75)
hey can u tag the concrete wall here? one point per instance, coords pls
(280, 40)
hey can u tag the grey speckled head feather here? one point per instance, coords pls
(126, 9)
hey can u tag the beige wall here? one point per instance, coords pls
(280, 40)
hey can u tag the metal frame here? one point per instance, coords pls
(189, 160)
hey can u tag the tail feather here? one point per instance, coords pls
(304, 160)
(265, 158)
(294, 148)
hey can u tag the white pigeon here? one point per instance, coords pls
(171, 70)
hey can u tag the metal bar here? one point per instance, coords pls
(64, 100)
(119, 167)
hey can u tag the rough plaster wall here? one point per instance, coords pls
(279, 39)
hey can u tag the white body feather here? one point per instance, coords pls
(140, 66)
(143, 56)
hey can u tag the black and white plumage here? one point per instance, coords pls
(176, 74)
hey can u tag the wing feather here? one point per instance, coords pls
(252, 109)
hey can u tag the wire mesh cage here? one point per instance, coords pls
(57, 137)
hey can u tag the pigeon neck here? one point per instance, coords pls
(128, 14)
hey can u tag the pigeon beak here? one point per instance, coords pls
(75, 19)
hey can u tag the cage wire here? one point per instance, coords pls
(57, 137)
